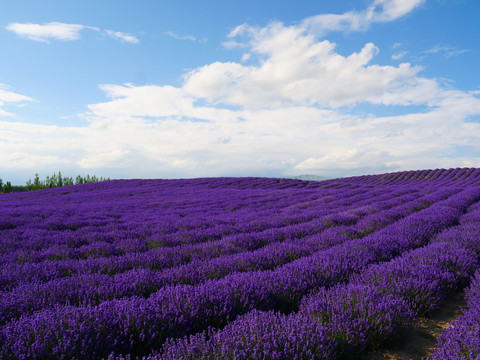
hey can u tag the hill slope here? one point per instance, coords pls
(275, 268)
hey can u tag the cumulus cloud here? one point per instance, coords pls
(62, 31)
(8, 97)
(140, 135)
(131, 101)
(154, 102)
(134, 130)
(296, 69)
(288, 110)
(351, 158)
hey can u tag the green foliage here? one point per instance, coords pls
(7, 188)
(78, 180)
(57, 180)
(37, 183)
(18, 188)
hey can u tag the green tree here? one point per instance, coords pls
(37, 185)
(1, 184)
(7, 188)
(52, 181)
(59, 179)
(68, 181)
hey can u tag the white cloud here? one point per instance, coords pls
(181, 37)
(185, 37)
(154, 101)
(5, 113)
(287, 111)
(245, 57)
(350, 158)
(295, 69)
(394, 9)
(399, 55)
(48, 31)
(104, 158)
(134, 131)
(9, 97)
(124, 37)
(157, 103)
(238, 30)
(61, 31)
(289, 114)
(153, 131)
(446, 51)
(412, 91)
(378, 11)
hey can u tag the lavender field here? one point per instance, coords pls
(238, 268)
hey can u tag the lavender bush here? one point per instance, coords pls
(231, 267)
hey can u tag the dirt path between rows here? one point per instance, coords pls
(419, 342)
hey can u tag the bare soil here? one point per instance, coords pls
(421, 340)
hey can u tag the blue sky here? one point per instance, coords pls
(132, 89)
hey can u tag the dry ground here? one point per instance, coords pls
(420, 340)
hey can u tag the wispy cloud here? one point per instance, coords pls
(181, 37)
(378, 11)
(389, 10)
(185, 37)
(399, 55)
(124, 37)
(48, 31)
(62, 31)
(9, 97)
(446, 51)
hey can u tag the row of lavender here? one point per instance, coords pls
(199, 261)
(461, 339)
(138, 324)
(374, 308)
(458, 176)
(118, 214)
(139, 226)
(337, 213)
(95, 288)
(14, 273)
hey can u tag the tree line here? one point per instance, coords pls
(56, 180)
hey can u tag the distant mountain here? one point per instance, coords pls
(307, 177)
